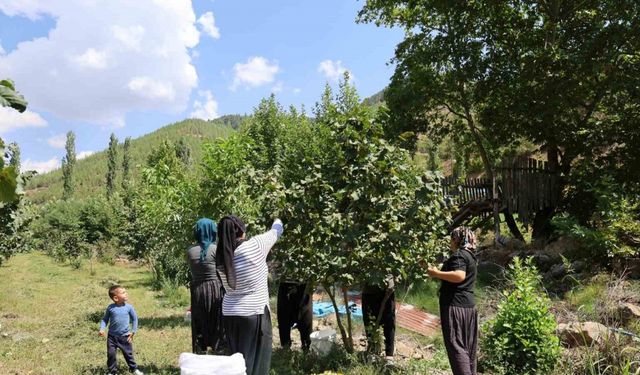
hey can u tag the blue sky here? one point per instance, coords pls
(130, 67)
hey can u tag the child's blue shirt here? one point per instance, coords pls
(118, 319)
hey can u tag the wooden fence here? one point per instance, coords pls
(525, 185)
(528, 185)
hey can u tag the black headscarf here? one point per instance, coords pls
(230, 229)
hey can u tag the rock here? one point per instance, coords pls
(629, 266)
(561, 246)
(542, 260)
(577, 266)
(628, 311)
(557, 271)
(581, 334)
(45, 340)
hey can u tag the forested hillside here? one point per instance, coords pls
(90, 173)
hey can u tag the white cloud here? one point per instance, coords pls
(207, 110)
(41, 166)
(130, 37)
(208, 24)
(57, 141)
(11, 119)
(92, 59)
(332, 70)
(147, 87)
(297, 91)
(103, 59)
(84, 154)
(255, 72)
(2, 52)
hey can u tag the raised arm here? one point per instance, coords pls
(268, 239)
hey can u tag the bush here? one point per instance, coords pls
(521, 339)
(606, 222)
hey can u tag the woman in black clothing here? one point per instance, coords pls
(206, 290)
(458, 313)
(372, 302)
(295, 307)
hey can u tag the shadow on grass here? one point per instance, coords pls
(162, 322)
(95, 316)
(140, 282)
(294, 362)
(122, 369)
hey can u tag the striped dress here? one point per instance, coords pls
(251, 294)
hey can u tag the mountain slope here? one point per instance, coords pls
(90, 173)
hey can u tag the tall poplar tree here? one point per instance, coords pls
(112, 162)
(68, 163)
(15, 157)
(126, 159)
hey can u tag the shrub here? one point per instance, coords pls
(607, 222)
(520, 339)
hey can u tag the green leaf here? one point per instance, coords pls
(9, 97)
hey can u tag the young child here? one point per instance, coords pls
(118, 316)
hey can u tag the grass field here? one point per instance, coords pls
(49, 314)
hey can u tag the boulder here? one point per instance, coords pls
(629, 266)
(543, 260)
(628, 311)
(557, 271)
(582, 334)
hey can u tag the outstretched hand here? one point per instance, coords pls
(277, 225)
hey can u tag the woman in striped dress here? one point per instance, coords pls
(245, 309)
(206, 290)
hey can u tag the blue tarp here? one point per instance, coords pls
(322, 309)
(356, 311)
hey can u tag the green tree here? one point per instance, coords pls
(112, 155)
(562, 75)
(68, 165)
(14, 216)
(14, 161)
(566, 77)
(165, 210)
(126, 167)
(10, 183)
(360, 211)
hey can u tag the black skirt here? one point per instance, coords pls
(207, 330)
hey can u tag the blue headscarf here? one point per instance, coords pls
(204, 232)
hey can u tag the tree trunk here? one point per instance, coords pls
(343, 333)
(348, 311)
(513, 226)
(488, 169)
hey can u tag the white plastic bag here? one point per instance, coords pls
(322, 341)
(194, 364)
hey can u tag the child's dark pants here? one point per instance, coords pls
(119, 342)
